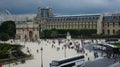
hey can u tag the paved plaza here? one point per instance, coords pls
(53, 50)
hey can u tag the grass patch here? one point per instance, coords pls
(116, 44)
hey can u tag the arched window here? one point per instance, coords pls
(108, 24)
(113, 31)
(25, 37)
(36, 37)
(19, 37)
(113, 24)
(103, 31)
(30, 35)
(103, 24)
(108, 31)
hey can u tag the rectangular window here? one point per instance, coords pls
(113, 24)
(108, 24)
(103, 31)
(103, 24)
(95, 25)
(113, 31)
(85, 25)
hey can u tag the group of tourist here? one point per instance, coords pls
(77, 45)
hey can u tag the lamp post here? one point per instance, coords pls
(41, 57)
(10, 53)
(65, 51)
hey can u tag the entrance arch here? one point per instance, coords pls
(31, 35)
(25, 37)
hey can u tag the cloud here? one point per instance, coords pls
(62, 6)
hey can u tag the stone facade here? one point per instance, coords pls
(111, 24)
(105, 24)
(28, 31)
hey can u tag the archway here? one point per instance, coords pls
(31, 35)
(25, 37)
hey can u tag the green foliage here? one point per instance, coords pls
(75, 33)
(105, 36)
(118, 32)
(16, 51)
(47, 33)
(53, 33)
(42, 34)
(9, 28)
(4, 36)
(78, 32)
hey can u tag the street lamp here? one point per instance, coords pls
(10, 53)
(41, 57)
(65, 51)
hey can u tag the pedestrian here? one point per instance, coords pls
(58, 48)
(86, 54)
(52, 45)
(88, 58)
(37, 50)
(102, 53)
(95, 54)
(27, 48)
(115, 57)
(28, 51)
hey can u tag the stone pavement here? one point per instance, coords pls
(117, 64)
(55, 55)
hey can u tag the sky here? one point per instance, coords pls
(62, 7)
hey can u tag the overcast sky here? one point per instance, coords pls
(62, 6)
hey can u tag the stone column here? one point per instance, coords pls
(99, 24)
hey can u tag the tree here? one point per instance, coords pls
(118, 32)
(9, 28)
(47, 33)
(4, 36)
(42, 34)
(54, 34)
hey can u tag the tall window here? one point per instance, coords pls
(45, 13)
(108, 31)
(93, 18)
(103, 31)
(108, 24)
(113, 24)
(92, 24)
(85, 25)
(95, 25)
(113, 31)
(89, 25)
(103, 24)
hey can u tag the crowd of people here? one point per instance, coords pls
(79, 46)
